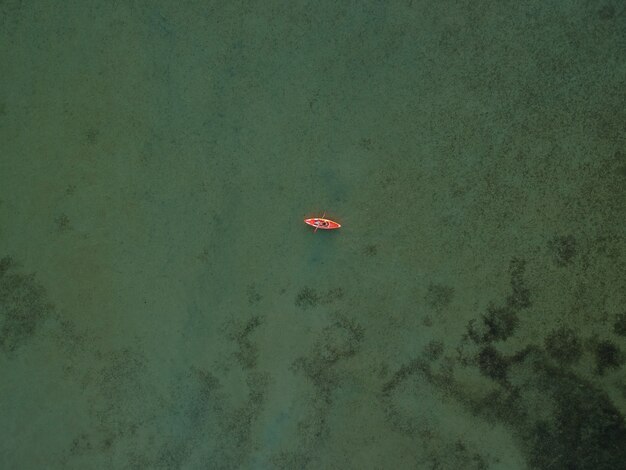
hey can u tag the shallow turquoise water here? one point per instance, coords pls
(162, 304)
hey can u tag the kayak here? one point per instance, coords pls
(321, 222)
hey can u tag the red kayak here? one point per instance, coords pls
(321, 222)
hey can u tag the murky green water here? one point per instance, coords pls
(162, 304)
